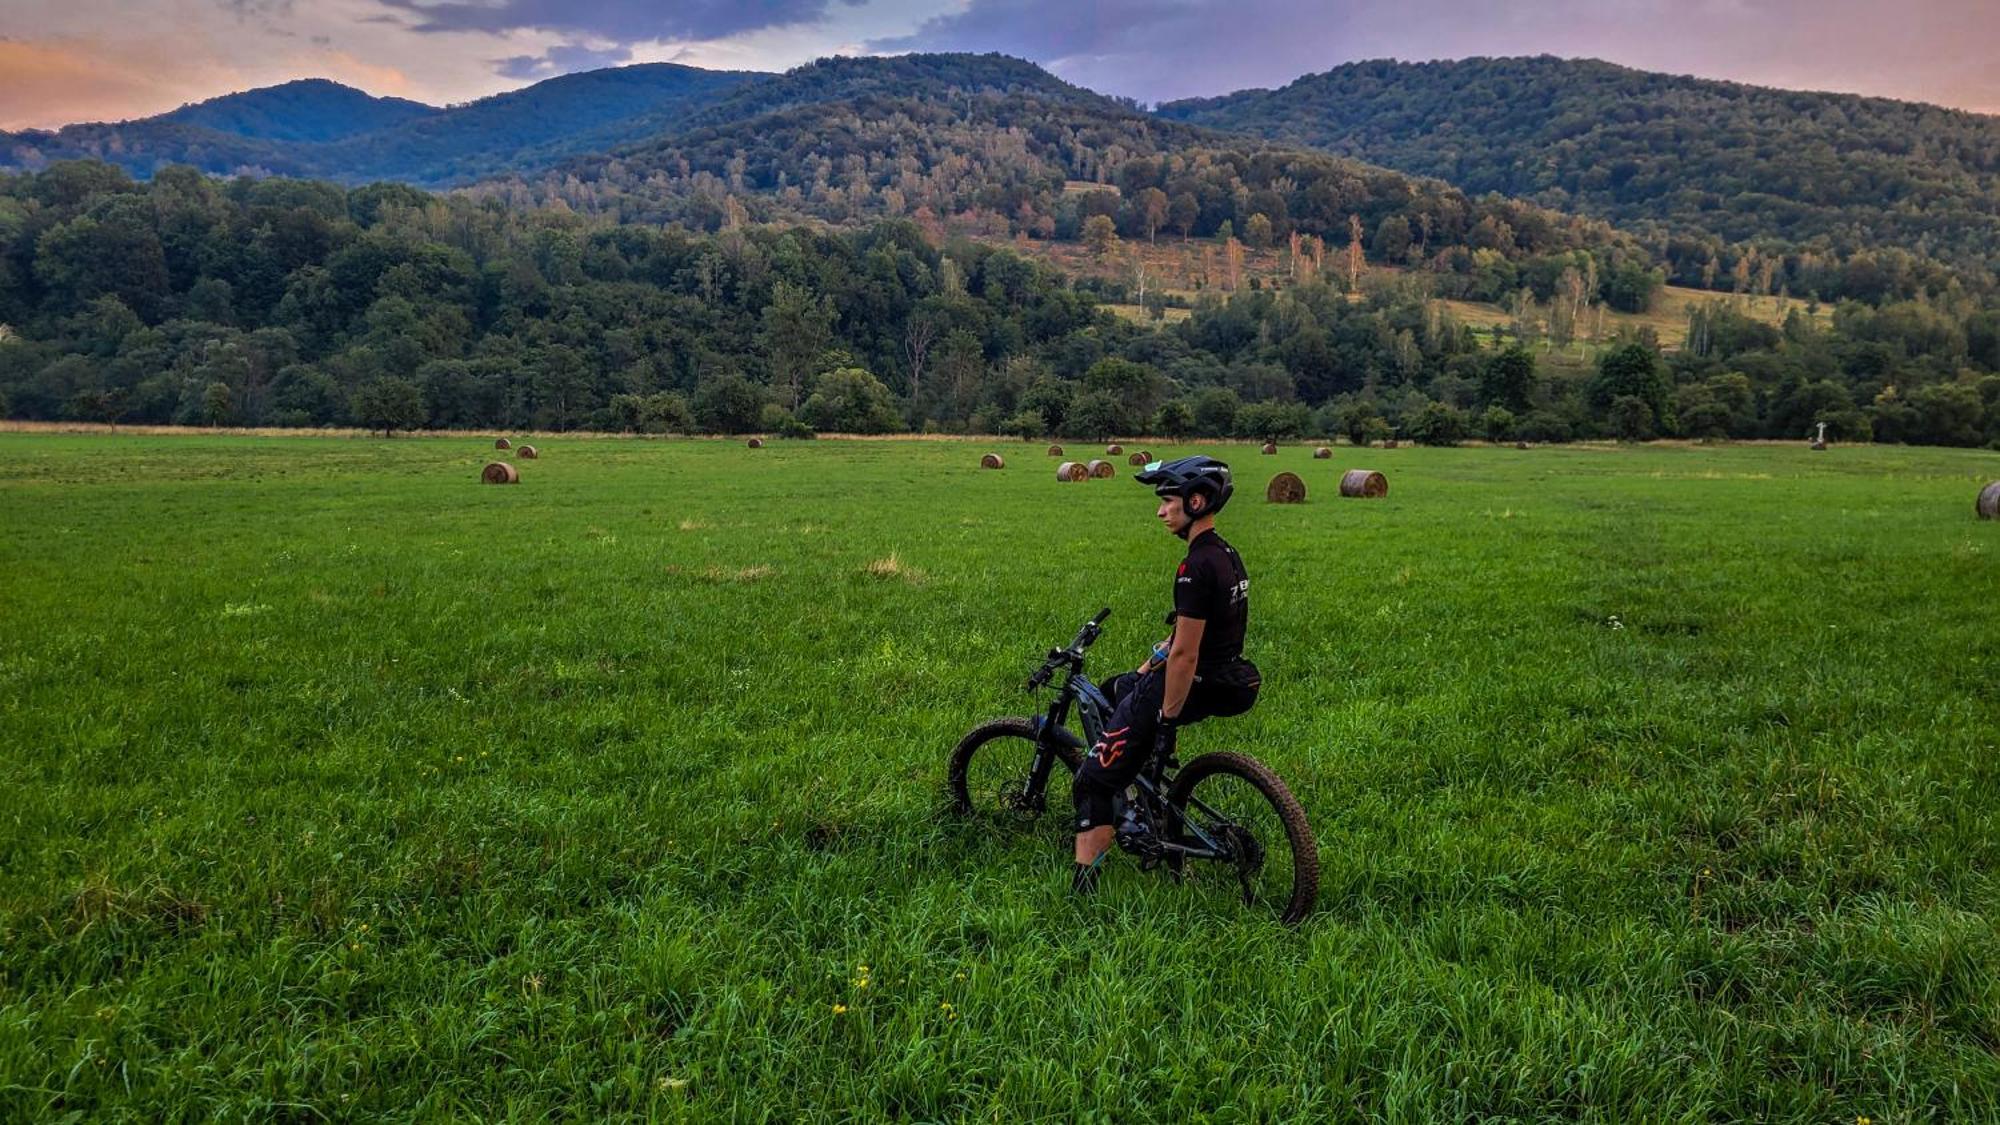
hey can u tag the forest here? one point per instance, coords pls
(187, 299)
(1711, 185)
(1763, 189)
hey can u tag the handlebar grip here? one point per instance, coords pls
(1101, 615)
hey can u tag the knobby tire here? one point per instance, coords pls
(1017, 736)
(1304, 849)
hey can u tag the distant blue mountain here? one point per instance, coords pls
(322, 129)
(311, 109)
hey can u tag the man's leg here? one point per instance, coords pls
(1117, 686)
(1109, 767)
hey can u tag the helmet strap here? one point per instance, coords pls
(1194, 520)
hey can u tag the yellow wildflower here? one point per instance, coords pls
(840, 1009)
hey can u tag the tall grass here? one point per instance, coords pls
(1655, 784)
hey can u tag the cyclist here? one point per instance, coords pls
(1203, 672)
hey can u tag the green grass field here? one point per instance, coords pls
(1650, 784)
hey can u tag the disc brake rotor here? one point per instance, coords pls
(1247, 856)
(1011, 797)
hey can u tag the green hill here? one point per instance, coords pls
(296, 130)
(311, 109)
(1869, 184)
(995, 147)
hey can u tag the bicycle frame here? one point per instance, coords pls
(1092, 709)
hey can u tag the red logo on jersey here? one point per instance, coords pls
(1182, 572)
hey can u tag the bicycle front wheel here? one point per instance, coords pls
(992, 776)
(1235, 804)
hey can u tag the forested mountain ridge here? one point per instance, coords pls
(1714, 166)
(310, 109)
(994, 147)
(1728, 186)
(295, 130)
(935, 76)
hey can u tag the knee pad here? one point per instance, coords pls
(1093, 802)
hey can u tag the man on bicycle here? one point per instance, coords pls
(1203, 672)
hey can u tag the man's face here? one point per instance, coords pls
(1173, 512)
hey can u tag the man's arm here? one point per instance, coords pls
(1181, 664)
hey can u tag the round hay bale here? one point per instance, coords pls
(500, 472)
(1989, 502)
(529, 452)
(1072, 471)
(1286, 488)
(1140, 458)
(1114, 449)
(992, 461)
(1102, 469)
(1520, 445)
(755, 443)
(1819, 447)
(1322, 454)
(1055, 451)
(1364, 483)
(502, 443)
(1389, 444)
(1270, 447)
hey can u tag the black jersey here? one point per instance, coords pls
(1211, 586)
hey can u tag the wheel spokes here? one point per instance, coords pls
(997, 779)
(1241, 823)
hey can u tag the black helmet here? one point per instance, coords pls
(1190, 476)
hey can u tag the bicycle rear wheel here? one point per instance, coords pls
(991, 774)
(1235, 802)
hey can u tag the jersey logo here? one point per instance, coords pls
(1182, 572)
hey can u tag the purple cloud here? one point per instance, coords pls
(622, 21)
(563, 58)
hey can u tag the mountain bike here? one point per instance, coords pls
(1226, 814)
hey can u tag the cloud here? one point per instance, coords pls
(49, 83)
(563, 58)
(1925, 49)
(257, 9)
(621, 21)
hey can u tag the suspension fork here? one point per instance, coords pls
(1049, 728)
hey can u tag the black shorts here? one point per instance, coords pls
(1129, 733)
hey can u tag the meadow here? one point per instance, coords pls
(1651, 784)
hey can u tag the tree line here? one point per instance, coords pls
(293, 303)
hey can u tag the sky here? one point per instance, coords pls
(65, 61)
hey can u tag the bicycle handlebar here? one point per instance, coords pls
(1085, 637)
(1088, 634)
